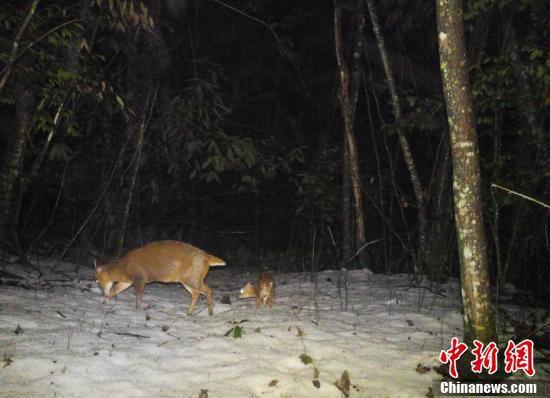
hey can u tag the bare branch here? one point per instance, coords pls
(248, 16)
(521, 196)
(14, 49)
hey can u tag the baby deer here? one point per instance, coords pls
(263, 291)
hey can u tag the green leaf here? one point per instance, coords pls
(60, 151)
(218, 164)
(212, 176)
(236, 332)
(120, 101)
(306, 359)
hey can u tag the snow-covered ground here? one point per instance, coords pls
(64, 341)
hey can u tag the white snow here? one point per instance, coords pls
(64, 341)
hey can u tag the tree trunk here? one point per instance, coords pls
(479, 318)
(441, 220)
(12, 163)
(139, 139)
(357, 66)
(347, 226)
(6, 71)
(134, 101)
(403, 142)
(346, 109)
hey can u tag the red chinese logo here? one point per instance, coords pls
(516, 357)
(519, 356)
(452, 355)
(484, 358)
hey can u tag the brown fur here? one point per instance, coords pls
(163, 261)
(263, 291)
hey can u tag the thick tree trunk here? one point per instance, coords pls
(346, 109)
(403, 142)
(479, 318)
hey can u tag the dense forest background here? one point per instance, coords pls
(219, 124)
